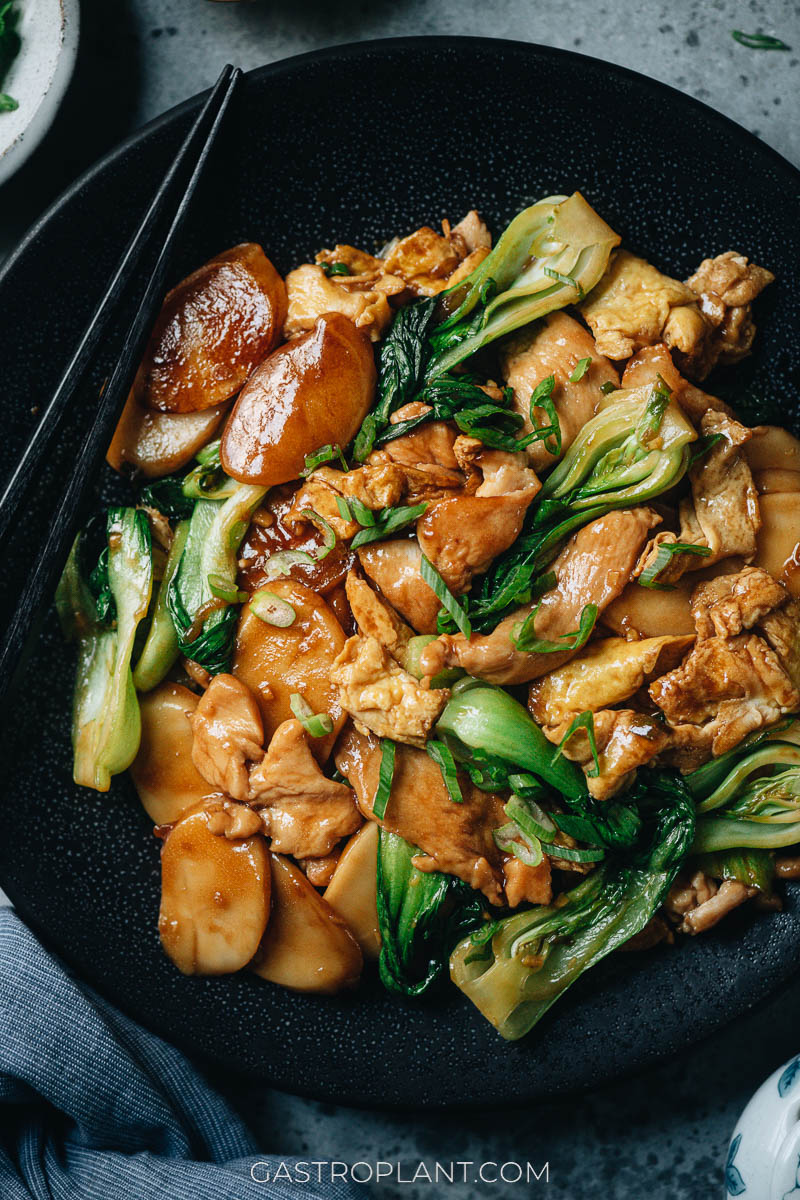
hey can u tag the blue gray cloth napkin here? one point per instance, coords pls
(92, 1107)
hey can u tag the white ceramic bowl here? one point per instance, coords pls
(38, 77)
(764, 1152)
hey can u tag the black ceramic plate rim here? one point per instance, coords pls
(350, 53)
(353, 50)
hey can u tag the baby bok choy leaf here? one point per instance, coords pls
(758, 813)
(517, 972)
(488, 721)
(204, 620)
(106, 724)
(422, 914)
(161, 648)
(551, 255)
(634, 448)
(753, 868)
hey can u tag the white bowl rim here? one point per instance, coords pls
(46, 91)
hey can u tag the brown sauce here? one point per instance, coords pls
(269, 534)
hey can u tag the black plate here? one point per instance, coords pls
(355, 144)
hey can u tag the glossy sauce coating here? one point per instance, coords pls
(214, 328)
(779, 538)
(275, 662)
(215, 897)
(314, 390)
(307, 946)
(163, 773)
(159, 443)
(269, 534)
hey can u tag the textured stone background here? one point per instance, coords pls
(664, 1134)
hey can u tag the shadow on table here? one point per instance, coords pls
(95, 114)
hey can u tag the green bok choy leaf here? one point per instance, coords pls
(161, 648)
(622, 456)
(754, 868)
(422, 914)
(106, 725)
(528, 960)
(758, 813)
(551, 255)
(204, 621)
(488, 720)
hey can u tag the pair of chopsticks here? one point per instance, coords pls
(169, 209)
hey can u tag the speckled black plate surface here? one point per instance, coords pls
(356, 144)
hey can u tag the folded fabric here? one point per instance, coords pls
(93, 1107)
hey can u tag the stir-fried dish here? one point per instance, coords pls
(454, 624)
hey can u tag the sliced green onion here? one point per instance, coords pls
(225, 589)
(531, 818)
(703, 445)
(581, 369)
(344, 509)
(335, 268)
(567, 280)
(511, 840)
(650, 421)
(323, 455)
(608, 387)
(441, 755)
(573, 853)
(523, 782)
(280, 564)
(446, 598)
(385, 776)
(365, 516)
(649, 576)
(758, 41)
(389, 521)
(584, 720)
(329, 536)
(316, 725)
(523, 635)
(272, 609)
(542, 397)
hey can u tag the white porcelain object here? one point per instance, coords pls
(764, 1153)
(38, 76)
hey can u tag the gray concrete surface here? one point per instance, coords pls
(662, 1135)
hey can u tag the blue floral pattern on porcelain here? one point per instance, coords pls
(763, 1160)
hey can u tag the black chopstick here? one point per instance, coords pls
(27, 469)
(52, 555)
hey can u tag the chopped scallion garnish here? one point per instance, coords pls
(385, 776)
(664, 555)
(442, 756)
(323, 455)
(446, 598)
(335, 268)
(524, 636)
(272, 609)
(225, 589)
(584, 720)
(388, 521)
(316, 725)
(511, 840)
(758, 41)
(580, 370)
(567, 280)
(329, 536)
